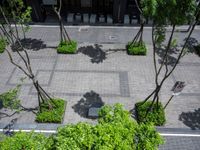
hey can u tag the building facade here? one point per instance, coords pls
(88, 11)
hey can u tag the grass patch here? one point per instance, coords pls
(156, 116)
(54, 115)
(66, 47)
(136, 48)
(2, 45)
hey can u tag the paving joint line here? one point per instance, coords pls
(55, 131)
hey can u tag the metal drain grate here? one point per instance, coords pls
(112, 37)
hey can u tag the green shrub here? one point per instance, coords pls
(26, 141)
(197, 48)
(10, 99)
(136, 48)
(54, 115)
(66, 47)
(115, 130)
(156, 116)
(75, 137)
(2, 45)
(147, 138)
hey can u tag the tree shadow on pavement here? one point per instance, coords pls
(191, 119)
(7, 130)
(171, 56)
(191, 44)
(30, 44)
(90, 99)
(95, 52)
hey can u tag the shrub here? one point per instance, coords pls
(79, 137)
(10, 99)
(2, 45)
(136, 48)
(115, 130)
(147, 137)
(197, 48)
(53, 115)
(28, 141)
(66, 47)
(156, 116)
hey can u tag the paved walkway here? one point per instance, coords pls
(101, 72)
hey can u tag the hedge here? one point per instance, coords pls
(155, 116)
(116, 129)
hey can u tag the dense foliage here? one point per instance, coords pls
(51, 115)
(26, 141)
(147, 137)
(116, 130)
(149, 8)
(66, 47)
(19, 12)
(10, 99)
(136, 48)
(155, 116)
(2, 45)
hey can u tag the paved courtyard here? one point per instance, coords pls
(103, 73)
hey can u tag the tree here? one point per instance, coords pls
(173, 12)
(64, 36)
(147, 10)
(66, 45)
(20, 14)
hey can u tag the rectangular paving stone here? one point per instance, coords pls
(81, 82)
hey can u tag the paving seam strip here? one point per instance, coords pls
(54, 131)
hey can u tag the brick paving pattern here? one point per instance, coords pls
(104, 70)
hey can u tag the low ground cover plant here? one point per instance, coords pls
(67, 47)
(51, 115)
(116, 129)
(2, 45)
(10, 99)
(155, 116)
(136, 48)
(26, 141)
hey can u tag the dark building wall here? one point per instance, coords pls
(116, 8)
(38, 13)
(119, 9)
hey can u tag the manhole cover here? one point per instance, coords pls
(112, 37)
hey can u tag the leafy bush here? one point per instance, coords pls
(53, 115)
(156, 116)
(116, 130)
(77, 137)
(66, 47)
(10, 99)
(26, 141)
(197, 48)
(2, 45)
(136, 48)
(147, 137)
